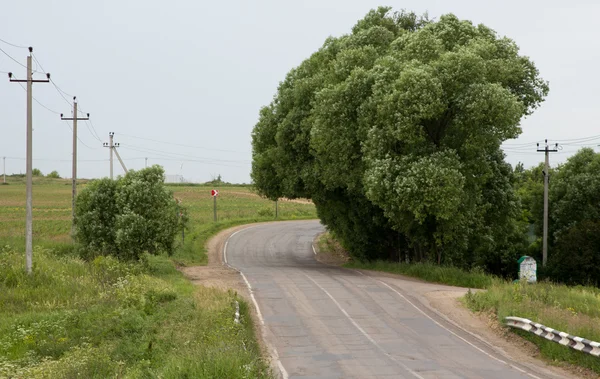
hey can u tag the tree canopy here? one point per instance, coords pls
(394, 132)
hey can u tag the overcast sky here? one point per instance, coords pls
(192, 72)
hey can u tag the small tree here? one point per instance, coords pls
(129, 216)
(54, 175)
(37, 172)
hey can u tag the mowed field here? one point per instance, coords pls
(52, 209)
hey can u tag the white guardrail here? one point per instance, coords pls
(574, 342)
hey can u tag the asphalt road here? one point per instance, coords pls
(329, 322)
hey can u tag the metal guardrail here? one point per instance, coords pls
(574, 342)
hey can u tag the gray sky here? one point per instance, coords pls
(197, 72)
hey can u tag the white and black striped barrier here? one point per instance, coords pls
(577, 343)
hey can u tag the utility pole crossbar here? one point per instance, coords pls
(74, 185)
(29, 160)
(546, 150)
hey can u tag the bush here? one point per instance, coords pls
(127, 217)
(36, 172)
(54, 175)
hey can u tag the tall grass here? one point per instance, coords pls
(575, 310)
(430, 272)
(112, 319)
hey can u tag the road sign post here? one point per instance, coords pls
(214, 194)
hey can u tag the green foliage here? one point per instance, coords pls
(574, 216)
(109, 318)
(54, 175)
(36, 172)
(129, 216)
(394, 132)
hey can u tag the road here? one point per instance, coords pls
(330, 322)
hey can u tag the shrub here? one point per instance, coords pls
(127, 217)
(54, 175)
(36, 172)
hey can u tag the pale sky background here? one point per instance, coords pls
(192, 72)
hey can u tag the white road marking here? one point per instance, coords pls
(363, 331)
(313, 247)
(448, 330)
(275, 354)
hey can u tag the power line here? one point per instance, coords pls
(36, 100)
(87, 124)
(163, 157)
(13, 45)
(182, 145)
(79, 139)
(189, 156)
(16, 61)
(60, 91)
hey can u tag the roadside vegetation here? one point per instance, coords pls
(107, 318)
(96, 313)
(575, 310)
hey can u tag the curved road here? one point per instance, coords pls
(329, 322)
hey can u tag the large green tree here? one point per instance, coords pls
(394, 131)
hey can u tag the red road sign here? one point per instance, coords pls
(214, 193)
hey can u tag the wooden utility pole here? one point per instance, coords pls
(547, 152)
(29, 161)
(74, 176)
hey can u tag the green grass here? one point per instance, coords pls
(430, 272)
(106, 318)
(575, 310)
(426, 271)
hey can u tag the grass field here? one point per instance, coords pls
(52, 213)
(106, 318)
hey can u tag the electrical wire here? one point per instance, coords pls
(37, 101)
(188, 156)
(79, 139)
(171, 158)
(60, 91)
(182, 145)
(16, 61)
(13, 45)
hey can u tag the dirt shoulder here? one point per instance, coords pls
(216, 274)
